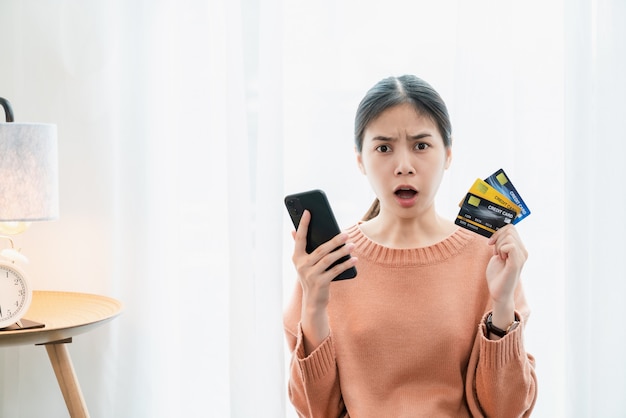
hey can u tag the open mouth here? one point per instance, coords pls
(405, 192)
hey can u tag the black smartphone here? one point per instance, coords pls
(323, 225)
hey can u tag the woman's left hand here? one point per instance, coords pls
(505, 267)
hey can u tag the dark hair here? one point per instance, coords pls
(394, 91)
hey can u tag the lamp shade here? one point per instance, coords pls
(29, 175)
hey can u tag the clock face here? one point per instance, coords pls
(15, 295)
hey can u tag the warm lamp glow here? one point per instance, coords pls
(13, 228)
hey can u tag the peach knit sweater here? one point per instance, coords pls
(408, 339)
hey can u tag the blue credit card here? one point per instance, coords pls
(500, 181)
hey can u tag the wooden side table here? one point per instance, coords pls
(64, 315)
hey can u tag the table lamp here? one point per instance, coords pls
(28, 192)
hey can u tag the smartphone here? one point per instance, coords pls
(323, 225)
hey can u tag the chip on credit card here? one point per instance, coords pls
(500, 181)
(491, 204)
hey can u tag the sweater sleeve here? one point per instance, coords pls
(314, 387)
(501, 380)
(314, 383)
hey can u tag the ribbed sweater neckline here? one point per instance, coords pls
(441, 251)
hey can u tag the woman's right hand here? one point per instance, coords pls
(315, 280)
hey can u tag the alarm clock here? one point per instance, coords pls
(15, 294)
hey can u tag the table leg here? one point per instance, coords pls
(64, 371)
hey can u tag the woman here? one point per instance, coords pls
(432, 324)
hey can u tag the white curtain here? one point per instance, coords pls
(183, 123)
(170, 202)
(595, 148)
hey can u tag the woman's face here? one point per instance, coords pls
(404, 158)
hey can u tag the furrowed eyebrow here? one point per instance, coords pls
(383, 138)
(421, 136)
(392, 139)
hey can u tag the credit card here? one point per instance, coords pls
(483, 216)
(501, 182)
(482, 189)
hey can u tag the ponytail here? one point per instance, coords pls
(373, 211)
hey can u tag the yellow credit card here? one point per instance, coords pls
(482, 189)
